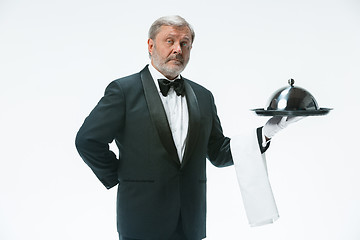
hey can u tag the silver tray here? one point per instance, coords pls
(319, 112)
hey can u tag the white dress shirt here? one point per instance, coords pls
(176, 112)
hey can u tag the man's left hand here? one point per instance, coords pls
(277, 123)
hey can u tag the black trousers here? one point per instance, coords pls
(177, 235)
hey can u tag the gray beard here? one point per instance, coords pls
(166, 71)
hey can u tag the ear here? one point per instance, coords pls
(150, 45)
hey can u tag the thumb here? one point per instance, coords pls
(293, 119)
(283, 122)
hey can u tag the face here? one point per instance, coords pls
(170, 51)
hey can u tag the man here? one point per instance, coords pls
(165, 127)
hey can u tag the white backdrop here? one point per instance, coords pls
(56, 58)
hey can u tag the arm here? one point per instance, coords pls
(98, 130)
(218, 152)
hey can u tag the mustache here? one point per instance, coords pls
(175, 57)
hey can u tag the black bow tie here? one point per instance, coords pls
(178, 86)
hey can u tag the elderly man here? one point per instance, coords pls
(165, 127)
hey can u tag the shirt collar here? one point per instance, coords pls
(155, 74)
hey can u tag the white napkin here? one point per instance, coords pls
(251, 171)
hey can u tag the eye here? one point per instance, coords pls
(185, 44)
(169, 41)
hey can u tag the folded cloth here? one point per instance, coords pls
(252, 175)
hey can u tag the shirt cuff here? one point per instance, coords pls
(263, 144)
(264, 141)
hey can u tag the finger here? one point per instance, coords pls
(274, 120)
(293, 119)
(283, 122)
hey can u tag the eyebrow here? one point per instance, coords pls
(172, 35)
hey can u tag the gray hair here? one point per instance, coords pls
(175, 21)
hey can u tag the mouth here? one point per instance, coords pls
(177, 60)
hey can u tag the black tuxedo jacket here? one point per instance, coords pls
(154, 188)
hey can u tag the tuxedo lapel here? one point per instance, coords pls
(158, 115)
(194, 121)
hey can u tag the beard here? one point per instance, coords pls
(169, 71)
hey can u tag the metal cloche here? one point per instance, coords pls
(292, 101)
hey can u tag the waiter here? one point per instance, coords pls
(165, 126)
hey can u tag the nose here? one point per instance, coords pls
(177, 48)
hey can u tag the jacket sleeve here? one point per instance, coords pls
(98, 131)
(219, 152)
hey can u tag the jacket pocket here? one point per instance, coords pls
(138, 180)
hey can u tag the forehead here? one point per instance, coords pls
(175, 32)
